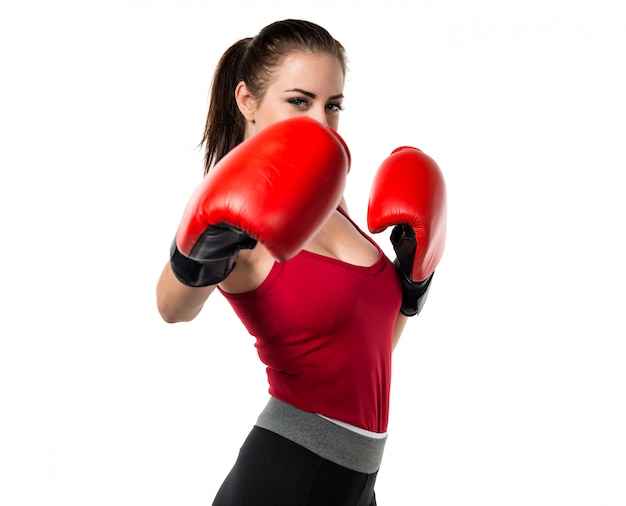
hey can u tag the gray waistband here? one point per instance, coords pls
(323, 437)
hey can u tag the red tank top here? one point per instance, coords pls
(324, 330)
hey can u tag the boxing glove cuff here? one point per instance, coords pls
(212, 258)
(414, 293)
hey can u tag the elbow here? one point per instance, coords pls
(167, 315)
(171, 314)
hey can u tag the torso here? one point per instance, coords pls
(324, 323)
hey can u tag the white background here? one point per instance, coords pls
(509, 389)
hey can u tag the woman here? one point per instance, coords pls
(326, 321)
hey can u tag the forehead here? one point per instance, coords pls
(319, 70)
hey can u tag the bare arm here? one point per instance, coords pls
(177, 302)
(399, 327)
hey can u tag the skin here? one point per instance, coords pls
(304, 84)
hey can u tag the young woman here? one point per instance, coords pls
(326, 320)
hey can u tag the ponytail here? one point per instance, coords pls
(225, 125)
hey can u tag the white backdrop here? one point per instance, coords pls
(509, 389)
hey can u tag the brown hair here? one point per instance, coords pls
(253, 60)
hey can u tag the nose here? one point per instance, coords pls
(319, 115)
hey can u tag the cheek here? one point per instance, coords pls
(333, 122)
(271, 115)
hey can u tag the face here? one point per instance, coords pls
(304, 85)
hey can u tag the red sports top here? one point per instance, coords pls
(324, 329)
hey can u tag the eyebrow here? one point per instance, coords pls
(312, 95)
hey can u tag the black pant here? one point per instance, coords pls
(274, 471)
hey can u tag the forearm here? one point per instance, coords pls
(176, 301)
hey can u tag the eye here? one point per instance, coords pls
(335, 107)
(299, 103)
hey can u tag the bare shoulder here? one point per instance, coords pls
(251, 269)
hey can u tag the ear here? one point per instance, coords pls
(245, 101)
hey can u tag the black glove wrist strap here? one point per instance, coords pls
(414, 293)
(195, 273)
(212, 258)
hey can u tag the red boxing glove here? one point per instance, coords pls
(409, 193)
(278, 187)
